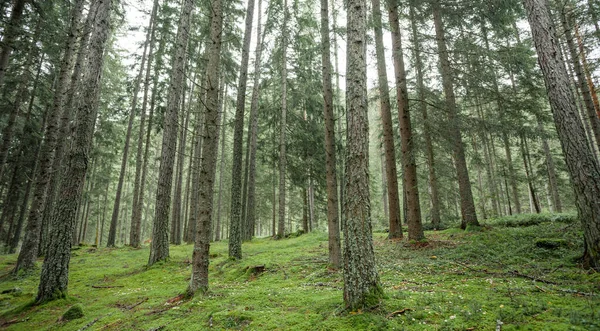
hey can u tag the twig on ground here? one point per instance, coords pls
(102, 286)
(398, 312)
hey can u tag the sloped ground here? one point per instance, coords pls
(520, 271)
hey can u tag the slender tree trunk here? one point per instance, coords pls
(136, 208)
(511, 173)
(467, 205)
(337, 101)
(330, 159)
(433, 183)
(117, 204)
(394, 221)
(10, 33)
(222, 165)
(384, 196)
(200, 256)
(236, 227)
(410, 186)
(252, 141)
(581, 164)
(361, 280)
(552, 178)
(29, 250)
(159, 250)
(283, 126)
(55, 270)
(581, 80)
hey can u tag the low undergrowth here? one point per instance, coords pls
(456, 280)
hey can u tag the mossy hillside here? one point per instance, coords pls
(456, 280)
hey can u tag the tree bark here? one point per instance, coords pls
(394, 221)
(222, 165)
(283, 126)
(159, 249)
(467, 205)
(29, 250)
(330, 159)
(409, 165)
(552, 178)
(361, 280)
(582, 166)
(55, 270)
(252, 141)
(200, 256)
(11, 31)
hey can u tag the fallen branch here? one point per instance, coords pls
(102, 286)
(93, 322)
(137, 304)
(398, 312)
(535, 279)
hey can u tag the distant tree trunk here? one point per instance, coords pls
(394, 221)
(222, 165)
(330, 159)
(10, 33)
(29, 250)
(583, 168)
(581, 81)
(55, 270)
(253, 134)
(467, 205)
(384, 196)
(274, 203)
(340, 114)
(236, 226)
(283, 126)
(511, 173)
(159, 250)
(529, 174)
(552, 178)
(433, 184)
(136, 208)
(200, 258)
(361, 281)
(410, 186)
(134, 99)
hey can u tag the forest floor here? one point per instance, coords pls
(520, 272)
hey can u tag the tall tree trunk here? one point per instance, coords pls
(361, 280)
(581, 81)
(467, 205)
(55, 270)
(200, 258)
(337, 101)
(159, 250)
(410, 186)
(511, 173)
(236, 227)
(283, 125)
(134, 99)
(394, 221)
(252, 141)
(427, 131)
(222, 165)
(330, 159)
(136, 209)
(11, 32)
(29, 250)
(581, 164)
(552, 178)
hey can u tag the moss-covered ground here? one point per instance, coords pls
(457, 280)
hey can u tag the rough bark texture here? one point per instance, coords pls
(134, 231)
(136, 89)
(361, 281)
(467, 205)
(159, 250)
(409, 165)
(54, 278)
(583, 168)
(29, 249)
(236, 222)
(283, 126)
(330, 163)
(10, 33)
(252, 142)
(395, 223)
(433, 184)
(200, 256)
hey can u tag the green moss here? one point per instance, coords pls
(75, 312)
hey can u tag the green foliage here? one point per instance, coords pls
(75, 312)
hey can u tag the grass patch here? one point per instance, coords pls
(459, 280)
